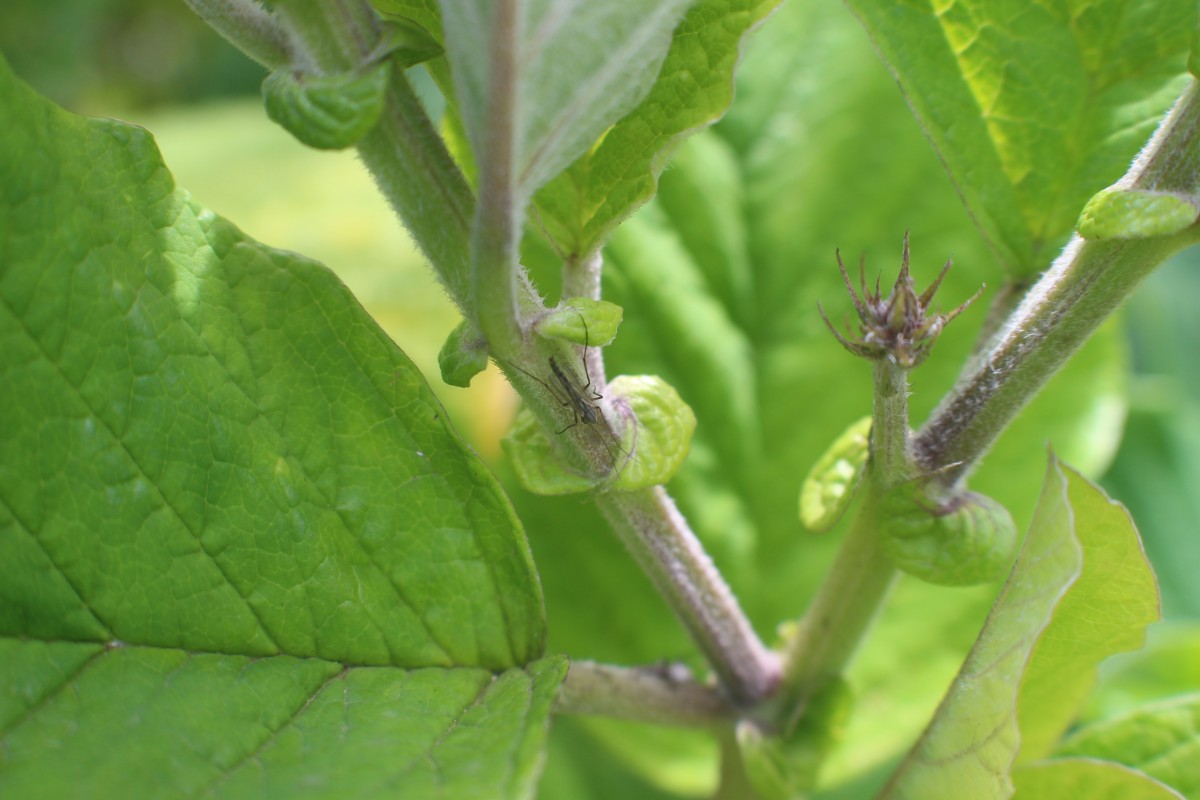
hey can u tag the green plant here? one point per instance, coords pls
(245, 554)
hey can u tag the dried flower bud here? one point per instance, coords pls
(899, 327)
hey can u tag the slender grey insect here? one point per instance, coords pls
(580, 399)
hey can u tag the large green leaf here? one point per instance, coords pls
(576, 69)
(212, 464)
(90, 721)
(1033, 107)
(1051, 625)
(695, 87)
(1161, 740)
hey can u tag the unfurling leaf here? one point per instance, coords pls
(830, 485)
(655, 433)
(967, 540)
(463, 355)
(1134, 214)
(328, 112)
(583, 321)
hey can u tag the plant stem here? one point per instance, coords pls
(581, 278)
(665, 695)
(660, 540)
(1079, 291)
(404, 152)
(248, 27)
(844, 607)
(421, 182)
(495, 233)
(734, 783)
(889, 424)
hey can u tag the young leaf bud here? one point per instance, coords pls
(328, 112)
(829, 487)
(963, 541)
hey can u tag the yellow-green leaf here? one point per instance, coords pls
(1095, 780)
(1045, 634)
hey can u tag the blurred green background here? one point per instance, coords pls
(155, 64)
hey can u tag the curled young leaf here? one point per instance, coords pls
(967, 540)
(663, 436)
(582, 320)
(1134, 214)
(538, 467)
(655, 437)
(328, 112)
(463, 356)
(830, 485)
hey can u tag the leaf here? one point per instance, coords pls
(1095, 780)
(422, 12)
(463, 356)
(213, 455)
(651, 455)
(581, 206)
(1133, 214)
(1161, 740)
(148, 721)
(577, 68)
(1106, 611)
(1033, 108)
(966, 540)
(833, 480)
(569, 321)
(1076, 539)
(328, 112)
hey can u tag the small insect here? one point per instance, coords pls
(580, 399)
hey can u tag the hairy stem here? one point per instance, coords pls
(496, 230)
(849, 598)
(249, 27)
(889, 424)
(656, 533)
(581, 278)
(664, 694)
(1079, 291)
(404, 152)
